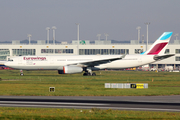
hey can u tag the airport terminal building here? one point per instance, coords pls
(86, 48)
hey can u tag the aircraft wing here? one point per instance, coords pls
(161, 57)
(98, 62)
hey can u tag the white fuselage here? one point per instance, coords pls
(57, 62)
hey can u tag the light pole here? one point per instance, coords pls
(48, 28)
(142, 39)
(138, 28)
(77, 38)
(176, 35)
(147, 23)
(54, 27)
(106, 35)
(29, 36)
(99, 35)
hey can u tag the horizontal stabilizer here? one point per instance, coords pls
(157, 57)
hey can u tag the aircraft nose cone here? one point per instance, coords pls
(2, 62)
(6, 64)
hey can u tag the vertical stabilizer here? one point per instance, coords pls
(159, 46)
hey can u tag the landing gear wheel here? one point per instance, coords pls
(93, 74)
(85, 74)
(21, 74)
(89, 74)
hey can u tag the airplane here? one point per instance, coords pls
(69, 64)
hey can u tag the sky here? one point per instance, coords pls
(118, 18)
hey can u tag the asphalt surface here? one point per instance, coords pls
(147, 103)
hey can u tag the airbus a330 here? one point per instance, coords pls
(88, 63)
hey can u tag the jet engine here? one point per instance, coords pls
(70, 70)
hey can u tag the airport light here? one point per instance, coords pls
(29, 36)
(48, 28)
(176, 35)
(106, 35)
(138, 28)
(142, 39)
(147, 23)
(77, 38)
(54, 27)
(99, 36)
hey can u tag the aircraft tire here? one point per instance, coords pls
(85, 74)
(93, 74)
(21, 74)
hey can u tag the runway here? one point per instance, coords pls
(147, 103)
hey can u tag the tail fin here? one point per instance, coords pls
(159, 46)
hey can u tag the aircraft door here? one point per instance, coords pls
(20, 61)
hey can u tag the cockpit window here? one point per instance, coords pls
(10, 59)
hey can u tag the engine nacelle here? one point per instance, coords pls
(70, 70)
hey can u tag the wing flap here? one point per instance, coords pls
(98, 62)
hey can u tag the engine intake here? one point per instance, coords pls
(70, 70)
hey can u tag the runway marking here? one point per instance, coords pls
(58, 103)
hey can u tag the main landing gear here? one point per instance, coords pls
(21, 73)
(89, 72)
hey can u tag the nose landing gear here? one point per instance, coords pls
(21, 73)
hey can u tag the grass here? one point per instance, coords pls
(37, 83)
(94, 113)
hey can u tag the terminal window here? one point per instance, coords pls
(138, 51)
(18, 52)
(3, 58)
(177, 51)
(4, 53)
(3, 49)
(177, 58)
(103, 51)
(167, 51)
(57, 51)
(47, 50)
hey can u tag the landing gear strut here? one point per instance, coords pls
(88, 72)
(21, 74)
